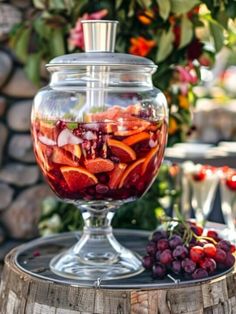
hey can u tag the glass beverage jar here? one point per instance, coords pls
(99, 131)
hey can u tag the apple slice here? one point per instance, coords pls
(67, 137)
(45, 140)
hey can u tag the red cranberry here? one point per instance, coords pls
(200, 176)
(102, 188)
(60, 125)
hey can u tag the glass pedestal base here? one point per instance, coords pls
(97, 254)
(70, 266)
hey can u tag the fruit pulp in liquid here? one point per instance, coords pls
(115, 160)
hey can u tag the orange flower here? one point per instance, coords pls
(173, 126)
(147, 17)
(183, 102)
(141, 46)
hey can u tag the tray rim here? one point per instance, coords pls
(158, 284)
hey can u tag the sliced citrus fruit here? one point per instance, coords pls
(121, 150)
(132, 173)
(133, 139)
(42, 154)
(110, 114)
(98, 165)
(48, 129)
(78, 178)
(75, 150)
(116, 175)
(131, 126)
(149, 158)
(59, 157)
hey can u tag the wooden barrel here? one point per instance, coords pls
(29, 287)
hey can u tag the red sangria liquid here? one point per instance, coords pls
(114, 156)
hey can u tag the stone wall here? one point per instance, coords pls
(21, 184)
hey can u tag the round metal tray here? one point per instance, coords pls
(33, 258)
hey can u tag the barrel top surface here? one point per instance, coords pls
(33, 259)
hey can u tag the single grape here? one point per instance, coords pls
(188, 265)
(151, 248)
(147, 262)
(198, 230)
(157, 255)
(159, 234)
(174, 241)
(220, 256)
(162, 244)
(208, 264)
(176, 267)
(224, 245)
(180, 252)
(199, 273)
(213, 234)
(166, 257)
(209, 249)
(230, 260)
(196, 253)
(158, 271)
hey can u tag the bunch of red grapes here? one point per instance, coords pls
(195, 258)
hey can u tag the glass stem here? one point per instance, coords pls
(97, 244)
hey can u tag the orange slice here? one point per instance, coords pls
(149, 158)
(121, 150)
(78, 178)
(59, 157)
(98, 165)
(131, 126)
(132, 173)
(74, 149)
(42, 153)
(116, 175)
(49, 130)
(133, 139)
(111, 115)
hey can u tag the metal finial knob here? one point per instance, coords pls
(99, 35)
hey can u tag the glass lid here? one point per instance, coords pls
(99, 41)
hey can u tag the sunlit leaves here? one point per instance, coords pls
(164, 8)
(165, 45)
